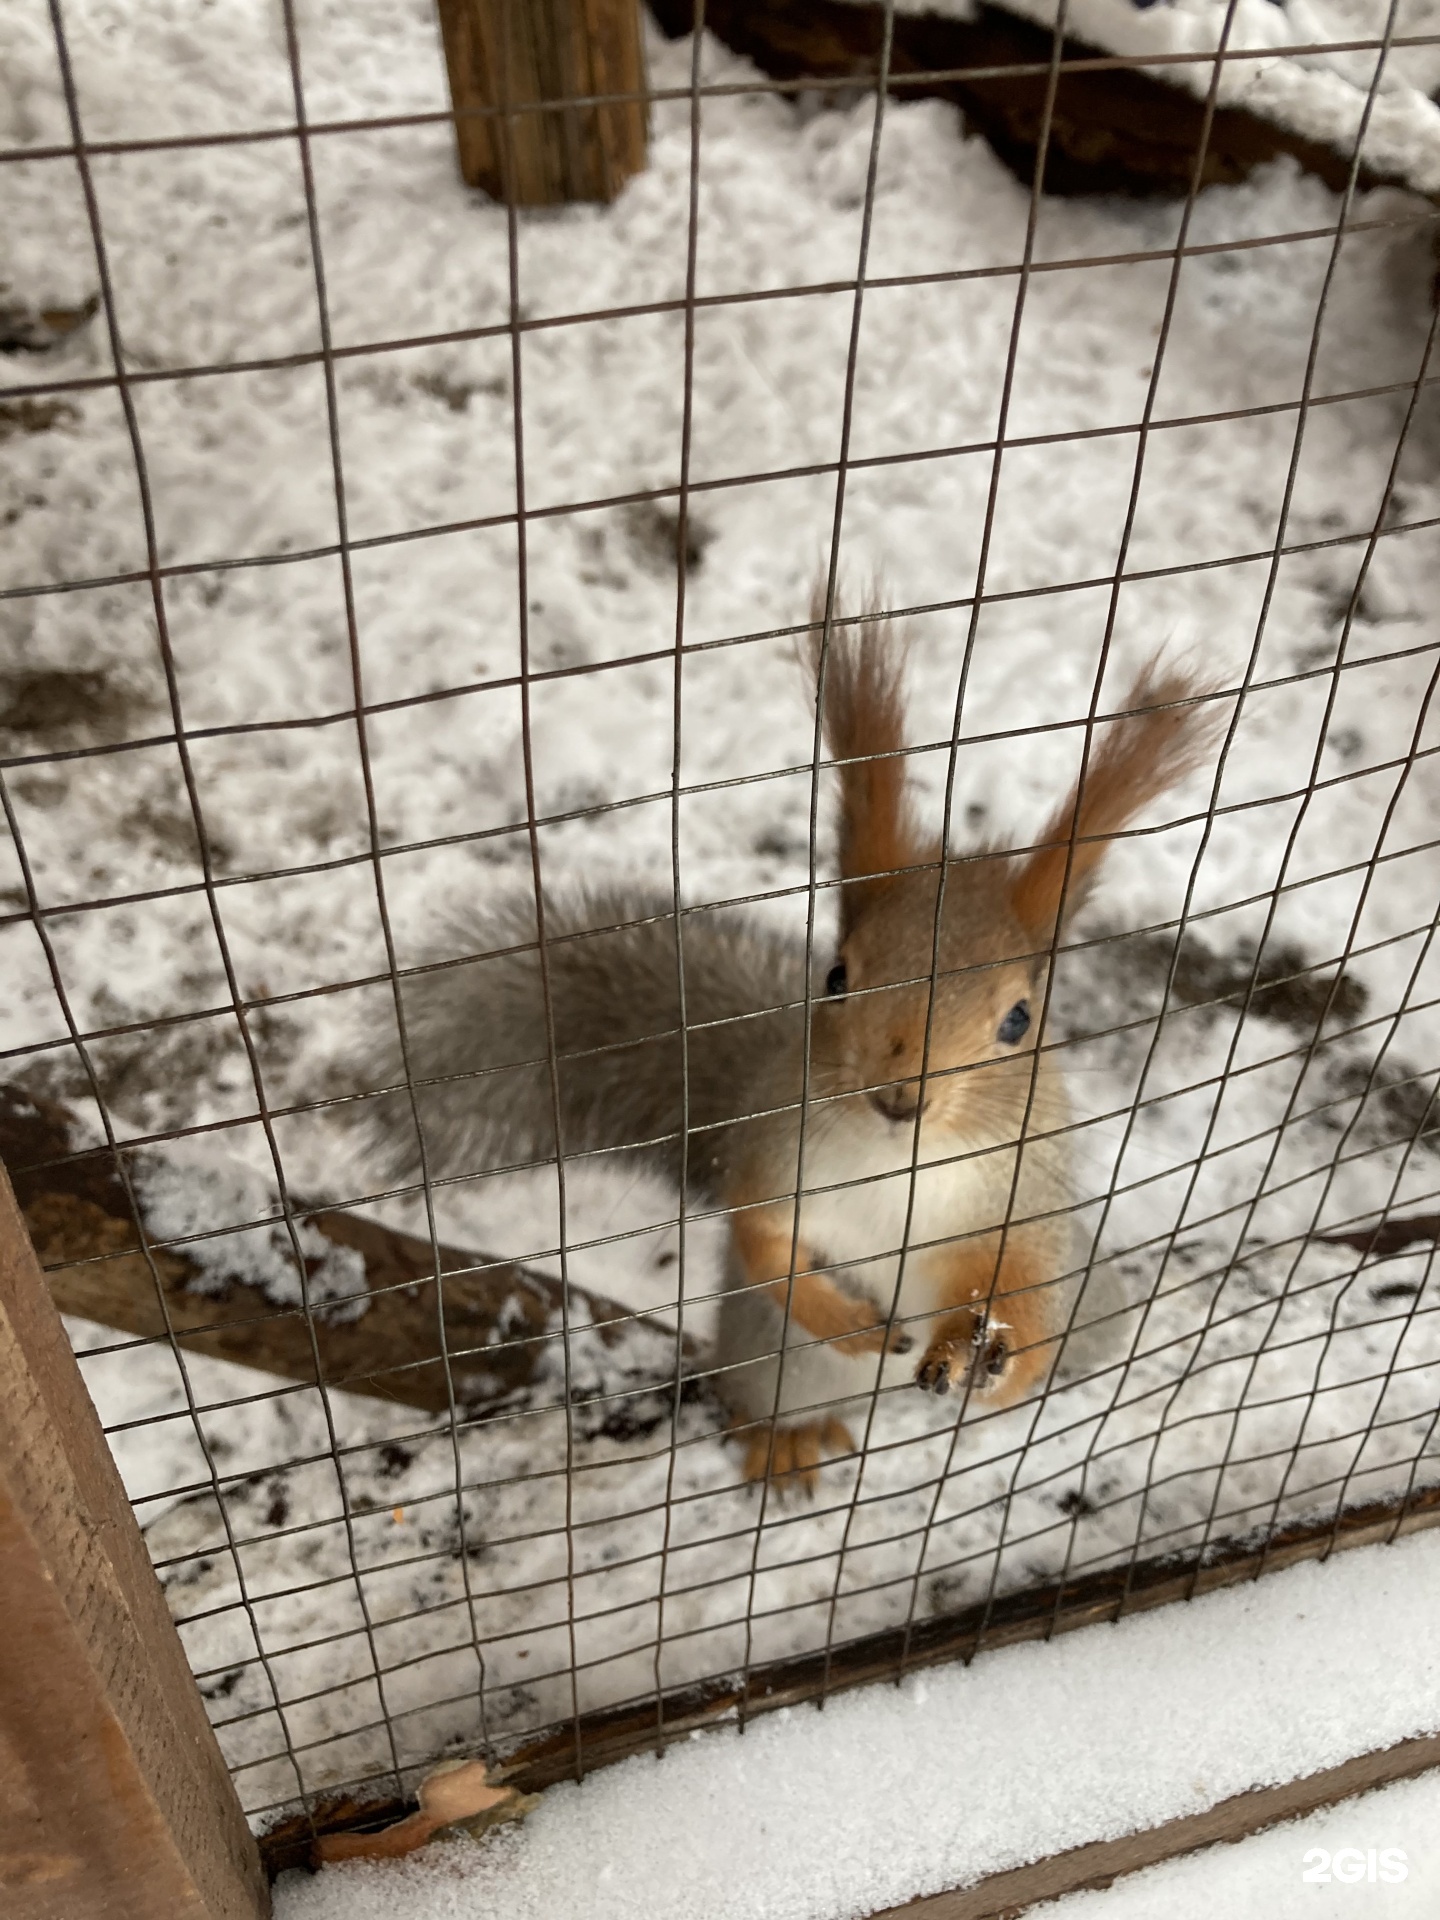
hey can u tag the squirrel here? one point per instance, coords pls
(922, 1072)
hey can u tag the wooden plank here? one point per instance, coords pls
(541, 54)
(501, 1321)
(1121, 130)
(114, 1798)
(1002, 1896)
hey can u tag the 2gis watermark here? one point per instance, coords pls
(1355, 1866)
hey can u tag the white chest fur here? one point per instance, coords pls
(867, 1196)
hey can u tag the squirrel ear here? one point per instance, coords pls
(860, 676)
(1162, 733)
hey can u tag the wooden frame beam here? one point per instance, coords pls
(115, 1803)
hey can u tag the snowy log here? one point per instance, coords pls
(1114, 129)
(504, 1324)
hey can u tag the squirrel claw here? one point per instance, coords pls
(933, 1373)
(978, 1361)
(789, 1457)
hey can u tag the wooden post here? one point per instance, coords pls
(114, 1799)
(518, 53)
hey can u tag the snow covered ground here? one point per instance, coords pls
(1267, 1378)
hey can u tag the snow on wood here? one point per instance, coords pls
(368, 1314)
(1282, 89)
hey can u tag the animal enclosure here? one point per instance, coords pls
(379, 553)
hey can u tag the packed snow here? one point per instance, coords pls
(1270, 1376)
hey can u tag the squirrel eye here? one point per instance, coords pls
(1015, 1024)
(835, 979)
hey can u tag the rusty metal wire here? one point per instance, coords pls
(680, 1581)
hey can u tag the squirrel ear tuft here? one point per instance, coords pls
(860, 678)
(1164, 731)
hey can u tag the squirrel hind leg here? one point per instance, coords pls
(789, 1456)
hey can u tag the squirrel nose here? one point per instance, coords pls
(899, 1102)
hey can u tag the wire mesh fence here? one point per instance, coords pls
(398, 575)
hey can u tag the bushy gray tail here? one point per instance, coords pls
(477, 1040)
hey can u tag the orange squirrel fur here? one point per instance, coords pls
(921, 1073)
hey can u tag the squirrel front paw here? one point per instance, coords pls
(972, 1349)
